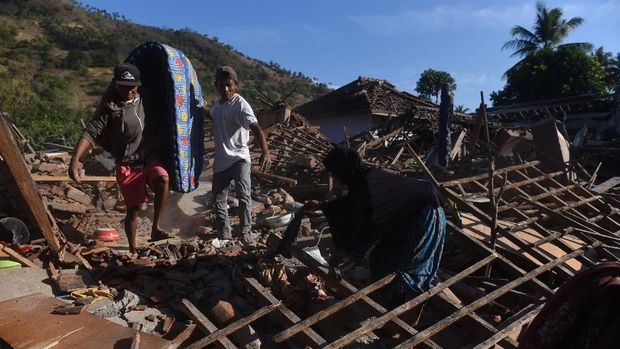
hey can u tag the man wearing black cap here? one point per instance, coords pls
(118, 127)
(233, 118)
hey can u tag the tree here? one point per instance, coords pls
(549, 31)
(545, 74)
(614, 72)
(461, 109)
(430, 83)
(610, 66)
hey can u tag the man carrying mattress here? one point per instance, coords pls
(118, 127)
(233, 118)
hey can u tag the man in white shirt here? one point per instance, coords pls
(233, 118)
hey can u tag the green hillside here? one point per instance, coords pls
(56, 59)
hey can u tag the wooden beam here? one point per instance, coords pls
(273, 177)
(18, 257)
(182, 337)
(44, 178)
(215, 336)
(343, 288)
(471, 322)
(20, 174)
(520, 321)
(289, 332)
(372, 324)
(308, 334)
(430, 331)
(400, 152)
(377, 141)
(499, 172)
(206, 326)
(504, 262)
(135, 340)
(457, 145)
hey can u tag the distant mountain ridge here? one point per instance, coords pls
(56, 59)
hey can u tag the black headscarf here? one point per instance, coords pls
(346, 164)
(349, 217)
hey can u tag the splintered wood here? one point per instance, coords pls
(297, 153)
(549, 228)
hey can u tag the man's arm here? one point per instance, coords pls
(259, 137)
(75, 167)
(207, 110)
(93, 129)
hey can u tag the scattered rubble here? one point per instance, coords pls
(526, 212)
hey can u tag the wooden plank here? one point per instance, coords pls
(343, 288)
(18, 257)
(471, 322)
(204, 324)
(45, 178)
(457, 145)
(273, 177)
(607, 185)
(303, 137)
(135, 342)
(372, 324)
(28, 322)
(233, 327)
(20, 174)
(519, 184)
(282, 336)
(377, 141)
(504, 262)
(499, 172)
(511, 326)
(308, 334)
(400, 152)
(182, 337)
(430, 331)
(587, 193)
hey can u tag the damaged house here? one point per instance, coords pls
(363, 104)
(518, 229)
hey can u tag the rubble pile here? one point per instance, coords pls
(50, 171)
(522, 220)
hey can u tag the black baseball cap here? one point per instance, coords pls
(225, 73)
(127, 75)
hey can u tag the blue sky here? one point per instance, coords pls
(337, 41)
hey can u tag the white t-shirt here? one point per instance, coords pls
(231, 131)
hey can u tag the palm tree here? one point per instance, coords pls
(605, 59)
(550, 29)
(614, 72)
(461, 109)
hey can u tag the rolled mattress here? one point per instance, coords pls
(174, 111)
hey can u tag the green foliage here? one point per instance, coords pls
(614, 72)
(545, 74)
(76, 60)
(49, 87)
(76, 36)
(461, 109)
(549, 31)
(43, 121)
(430, 83)
(610, 65)
(7, 32)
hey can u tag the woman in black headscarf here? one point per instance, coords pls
(401, 217)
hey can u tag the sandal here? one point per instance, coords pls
(160, 235)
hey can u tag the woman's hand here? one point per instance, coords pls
(76, 170)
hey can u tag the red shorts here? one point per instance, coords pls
(133, 181)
